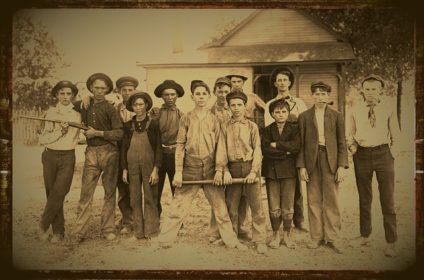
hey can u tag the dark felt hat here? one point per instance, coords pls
(126, 81)
(374, 77)
(100, 76)
(282, 70)
(64, 84)
(244, 78)
(278, 102)
(236, 93)
(223, 80)
(320, 84)
(139, 94)
(198, 83)
(169, 84)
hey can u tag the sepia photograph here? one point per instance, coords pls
(213, 139)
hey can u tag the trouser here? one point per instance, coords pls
(298, 217)
(168, 167)
(58, 170)
(99, 160)
(124, 202)
(323, 205)
(195, 169)
(379, 160)
(252, 192)
(280, 194)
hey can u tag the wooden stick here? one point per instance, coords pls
(210, 182)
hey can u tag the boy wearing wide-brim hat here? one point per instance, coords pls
(58, 159)
(101, 156)
(373, 140)
(141, 159)
(169, 117)
(195, 160)
(239, 156)
(322, 160)
(280, 145)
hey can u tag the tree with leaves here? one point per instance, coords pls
(35, 60)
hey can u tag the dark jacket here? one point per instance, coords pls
(335, 139)
(153, 133)
(280, 162)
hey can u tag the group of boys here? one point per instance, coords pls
(224, 146)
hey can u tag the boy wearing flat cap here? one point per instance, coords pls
(254, 103)
(141, 159)
(195, 160)
(126, 87)
(239, 155)
(58, 159)
(220, 109)
(374, 143)
(101, 156)
(322, 160)
(169, 118)
(282, 79)
(280, 145)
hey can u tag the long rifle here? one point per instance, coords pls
(72, 124)
(210, 182)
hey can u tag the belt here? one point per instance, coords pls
(322, 148)
(375, 148)
(169, 148)
(58, 151)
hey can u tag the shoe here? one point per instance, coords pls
(287, 240)
(301, 227)
(361, 241)
(314, 244)
(125, 230)
(261, 248)
(218, 242)
(335, 246)
(43, 234)
(212, 239)
(76, 239)
(241, 246)
(110, 236)
(244, 236)
(275, 242)
(390, 250)
(56, 238)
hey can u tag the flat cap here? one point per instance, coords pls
(139, 94)
(126, 81)
(244, 78)
(374, 77)
(236, 93)
(320, 84)
(198, 83)
(64, 84)
(223, 80)
(278, 102)
(169, 84)
(100, 76)
(282, 70)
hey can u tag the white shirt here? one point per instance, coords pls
(319, 116)
(296, 103)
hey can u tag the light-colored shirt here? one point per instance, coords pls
(319, 116)
(223, 113)
(169, 119)
(385, 131)
(124, 113)
(253, 102)
(52, 136)
(239, 141)
(196, 137)
(297, 106)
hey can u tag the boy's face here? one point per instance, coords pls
(139, 106)
(282, 82)
(221, 92)
(126, 92)
(99, 89)
(237, 82)
(237, 107)
(280, 115)
(372, 90)
(169, 97)
(200, 96)
(320, 96)
(64, 96)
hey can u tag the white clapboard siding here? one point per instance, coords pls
(280, 26)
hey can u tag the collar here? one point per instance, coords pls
(232, 120)
(64, 108)
(173, 108)
(220, 108)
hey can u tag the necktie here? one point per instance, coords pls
(371, 115)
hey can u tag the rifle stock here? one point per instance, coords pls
(201, 182)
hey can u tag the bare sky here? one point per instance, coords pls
(113, 40)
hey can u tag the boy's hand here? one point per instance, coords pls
(339, 174)
(228, 179)
(154, 177)
(178, 180)
(250, 179)
(90, 133)
(64, 127)
(273, 145)
(217, 180)
(353, 149)
(125, 176)
(85, 102)
(304, 174)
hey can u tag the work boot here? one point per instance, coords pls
(56, 238)
(390, 250)
(261, 248)
(361, 241)
(287, 240)
(314, 244)
(335, 246)
(301, 227)
(275, 242)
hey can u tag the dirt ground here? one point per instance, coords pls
(193, 250)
